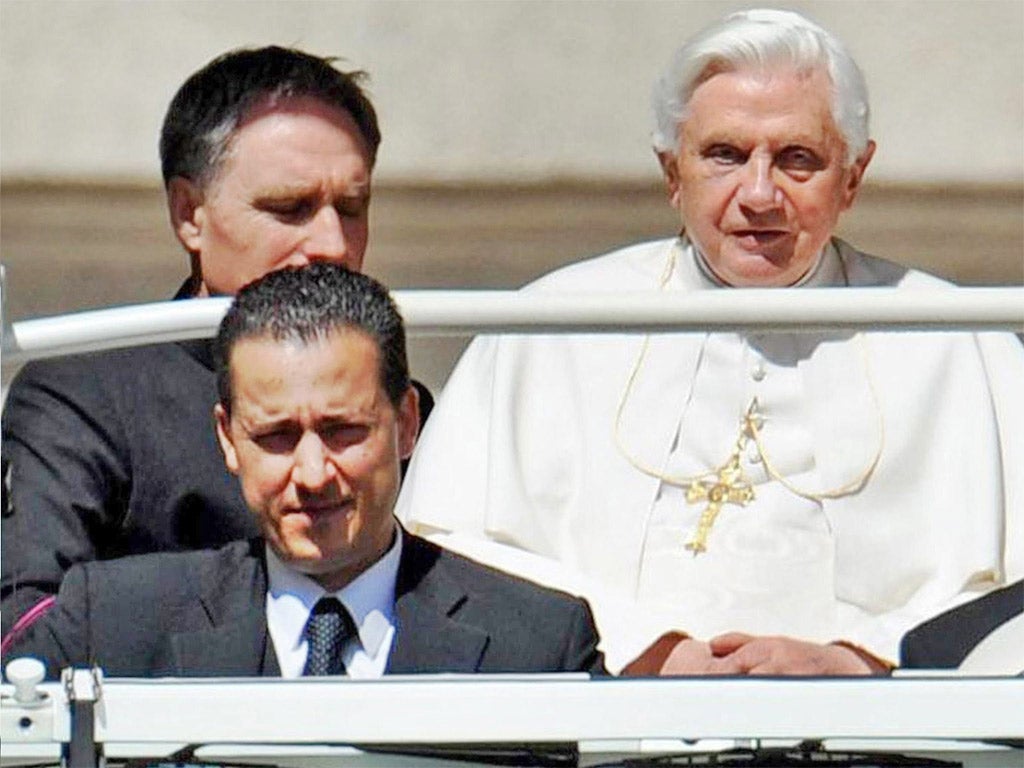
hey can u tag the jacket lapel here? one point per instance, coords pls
(230, 619)
(227, 625)
(429, 637)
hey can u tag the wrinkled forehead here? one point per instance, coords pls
(776, 66)
(270, 105)
(754, 92)
(303, 341)
(265, 364)
(274, 102)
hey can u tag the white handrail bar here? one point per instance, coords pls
(570, 710)
(546, 708)
(432, 312)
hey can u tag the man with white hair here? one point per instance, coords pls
(741, 503)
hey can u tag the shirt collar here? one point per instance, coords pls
(369, 599)
(827, 269)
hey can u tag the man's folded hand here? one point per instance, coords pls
(736, 653)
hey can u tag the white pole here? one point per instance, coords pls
(467, 312)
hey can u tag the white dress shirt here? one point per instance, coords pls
(369, 599)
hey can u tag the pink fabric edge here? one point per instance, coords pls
(27, 620)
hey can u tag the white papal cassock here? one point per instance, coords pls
(522, 465)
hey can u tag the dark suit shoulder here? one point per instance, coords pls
(158, 575)
(530, 628)
(109, 454)
(120, 613)
(104, 392)
(108, 365)
(486, 581)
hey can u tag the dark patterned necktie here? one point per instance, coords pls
(328, 629)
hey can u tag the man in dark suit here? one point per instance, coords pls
(267, 158)
(315, 413)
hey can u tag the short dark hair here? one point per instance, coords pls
(309, 303)
(207, 109)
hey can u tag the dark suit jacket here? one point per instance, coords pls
(203, 614)
(112, 454)
(944, 641)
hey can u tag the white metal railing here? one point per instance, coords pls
(607, 715)
(546, 709)
(463, 312)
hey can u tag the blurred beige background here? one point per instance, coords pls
(515, 134)
(513, 90)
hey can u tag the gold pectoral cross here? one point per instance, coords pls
(726, 485)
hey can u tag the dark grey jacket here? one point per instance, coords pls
(204, 614)
(945, 641)
(111, 454)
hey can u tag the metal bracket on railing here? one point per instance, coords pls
(84, 690)
(26, 712)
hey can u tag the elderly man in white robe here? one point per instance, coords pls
(863, 482)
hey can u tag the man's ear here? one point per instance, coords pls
(227, 446)
(670, 170)
(185, 201)
(408, 422)
(856, 175)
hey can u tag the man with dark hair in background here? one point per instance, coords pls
(267, 158)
